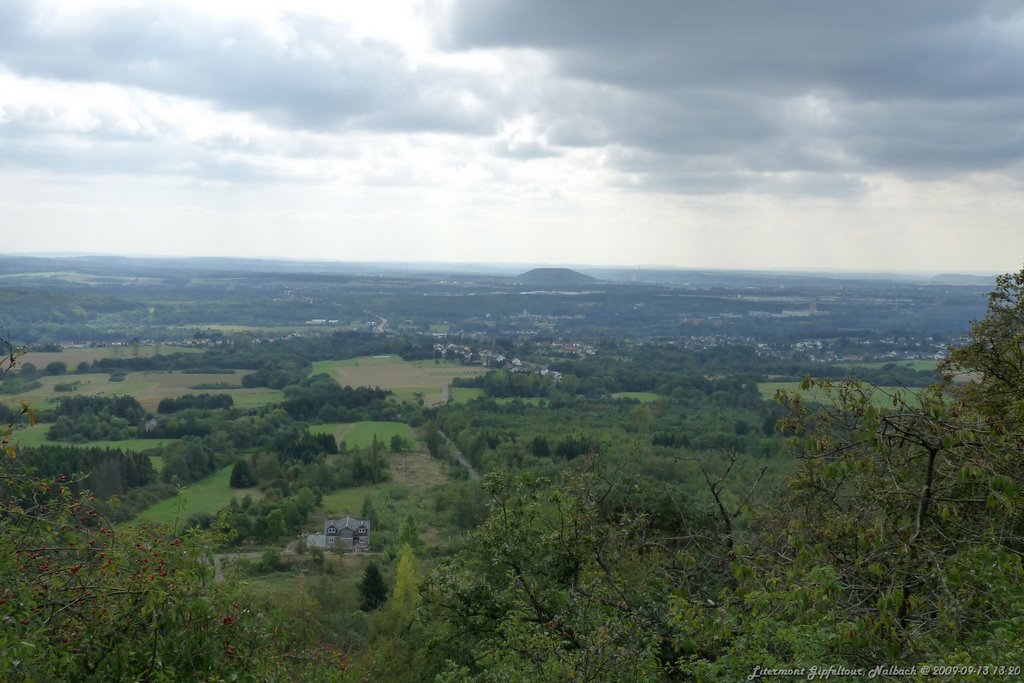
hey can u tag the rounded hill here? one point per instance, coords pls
(555, 276)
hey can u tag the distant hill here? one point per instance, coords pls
(958, 279)
(555, 276)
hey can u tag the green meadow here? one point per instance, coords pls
(360, 435)
(207, 495)
(465, 394)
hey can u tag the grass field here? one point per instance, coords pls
(36, 436)
(642, 396)
(360, 435)
(148, 387)
(391, 372)
(248, 398)
(72, 357)
(465, 394)
(882, 396)
(206, 495)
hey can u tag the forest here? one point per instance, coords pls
(595, 506)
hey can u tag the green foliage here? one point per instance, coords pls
(408, 534)
(194, 401)
(399, 444)
(92, 418)
(275, 526)
(269, 561)
(373, 592)
(370, 465)
(83, 602)
(992, 354)
(555, 586)
(241, 475)
(105, 472)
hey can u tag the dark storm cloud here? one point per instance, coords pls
(316, 75)
(715, 95)
(939, 48)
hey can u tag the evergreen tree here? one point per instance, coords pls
(373, 592)
(241, 475)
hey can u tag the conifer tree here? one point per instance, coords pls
(373, 592)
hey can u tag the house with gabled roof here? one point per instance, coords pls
(347, 532)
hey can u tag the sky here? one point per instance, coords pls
(871, 135)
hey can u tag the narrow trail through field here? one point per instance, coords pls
(473, 474)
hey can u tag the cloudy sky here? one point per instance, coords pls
(869, 135)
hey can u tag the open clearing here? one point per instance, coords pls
(403, 377)
(465, 394)
(207, 495)
(148, 387)
(881, 397)
(72, 357)
(360, 434)
(413, 474)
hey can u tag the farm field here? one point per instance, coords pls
(405, 378)
(207, 495)
(882, 396)
(148, 387)
(642, 396)
(72, 357)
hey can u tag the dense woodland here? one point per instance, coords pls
(645, 515)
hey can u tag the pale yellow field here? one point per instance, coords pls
(72, 357)
(405, 378)
(148, 387)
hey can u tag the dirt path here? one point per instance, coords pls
(473, 474)
(218, 559)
